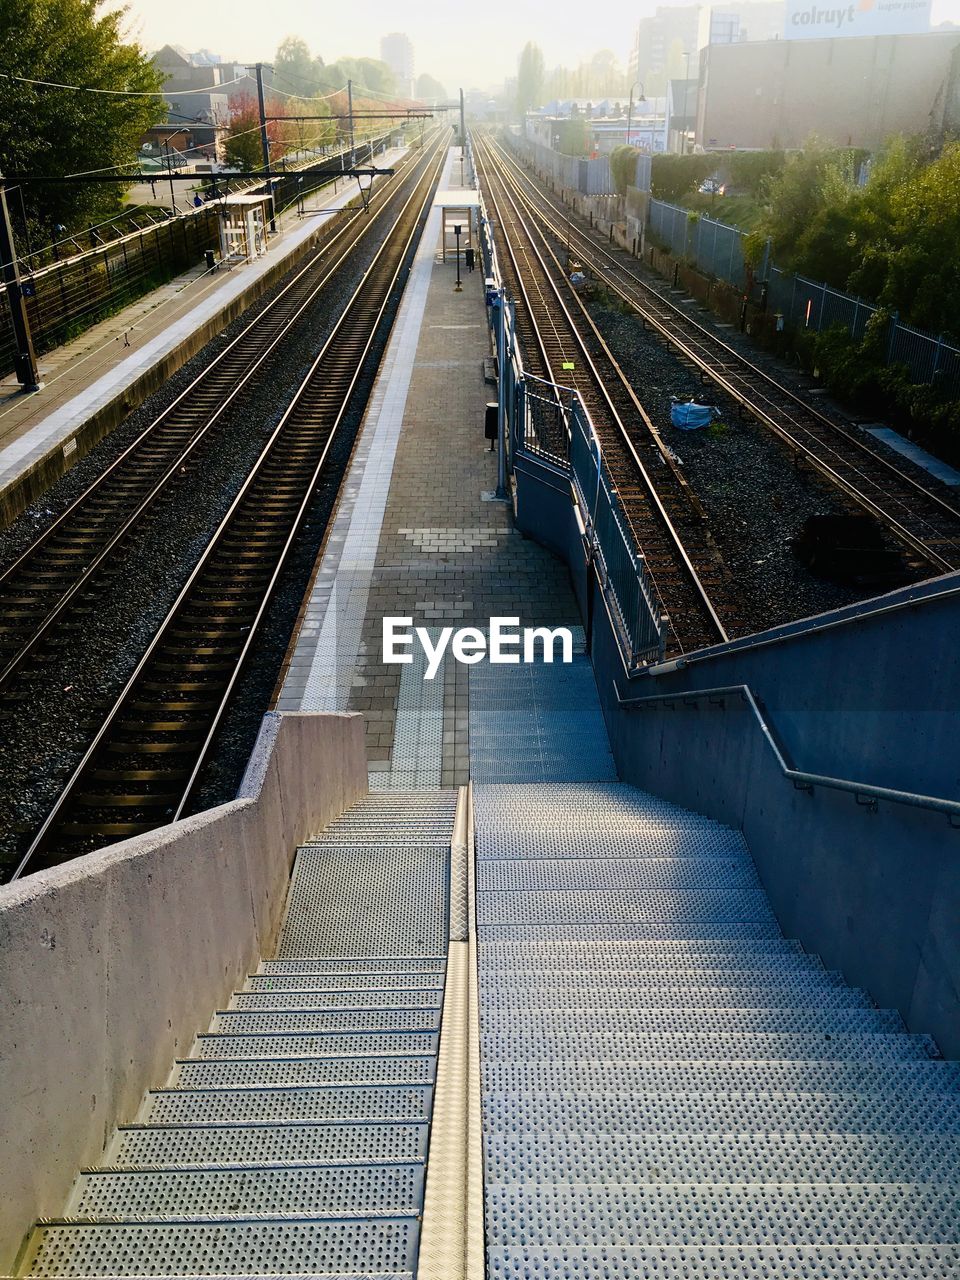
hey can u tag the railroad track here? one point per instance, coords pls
(563, 346)
(147, 756)
(925, 521)
(38, 588)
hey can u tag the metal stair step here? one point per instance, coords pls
(535, 1213)
(497, 996)
(729, 1156)
(656, 953)
(306, 1045)
(550, 1022)
(726, 1112)
(543, 875)
(580, 845)
(624, 907)
(633, 931)
(346, 1104)
(343, 982)
(351, 1246)
(346, 1021)
(198, 1073)
(593, 1076)
(338, 1189)
(257, 1144)
(394, 965)
(521, 1043)
(730, 1262)
(331, 1001)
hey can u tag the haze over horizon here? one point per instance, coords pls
(458, 53)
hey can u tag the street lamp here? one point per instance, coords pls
(636, 85)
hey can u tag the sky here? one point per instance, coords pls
(452, 43)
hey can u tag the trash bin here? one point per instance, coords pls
(468, 258)
(210, 258)
(490, 421)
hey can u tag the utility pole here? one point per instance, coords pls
(265, 143)
(25, 361)
(173, 198)
(353, 154)
(463, 127)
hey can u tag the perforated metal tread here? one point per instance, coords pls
(391, 900)
(628, 1113)
(231, 1246)
(731, 1262)
(343, 982)
(657, 1063)
(728, 1214)
(394, 998)
(344, 1103)
(305, 1044)
(278, 1189)
(705, 1076)
(499, 996)
(163, 1146)
(249, 1073)
(722, 1157)
(376, 965)
(284, 1021)
(553, 874)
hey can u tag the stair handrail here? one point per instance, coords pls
(867, 793)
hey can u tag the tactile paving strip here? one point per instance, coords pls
(380, 1246)
(341, 1189)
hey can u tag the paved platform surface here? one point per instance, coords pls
(414, 536)
(82, 376)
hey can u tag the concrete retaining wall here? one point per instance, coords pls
(112, 963)
(864, 694)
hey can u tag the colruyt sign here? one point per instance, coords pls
(820, 19)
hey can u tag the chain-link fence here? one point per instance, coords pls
(717, 249)
(67, 297)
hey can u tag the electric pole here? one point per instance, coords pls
(25, 361)
(265, 143)
(463, 127)
(353, 154)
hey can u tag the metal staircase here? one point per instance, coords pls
(294, 1140)
(671, 1090)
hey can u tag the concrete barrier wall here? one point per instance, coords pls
(865, 694)
(112, 963)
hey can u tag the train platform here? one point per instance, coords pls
(91, 383)
(418, 534)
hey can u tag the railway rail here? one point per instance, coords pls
(563, 346)
(145, 760)
(925, 521)
(38, 588)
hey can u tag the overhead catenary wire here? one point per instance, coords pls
(120, 93)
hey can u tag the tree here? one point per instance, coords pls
(242, 147)
(430, 90)
(296, 66)
(61, 131)
(530, 78)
